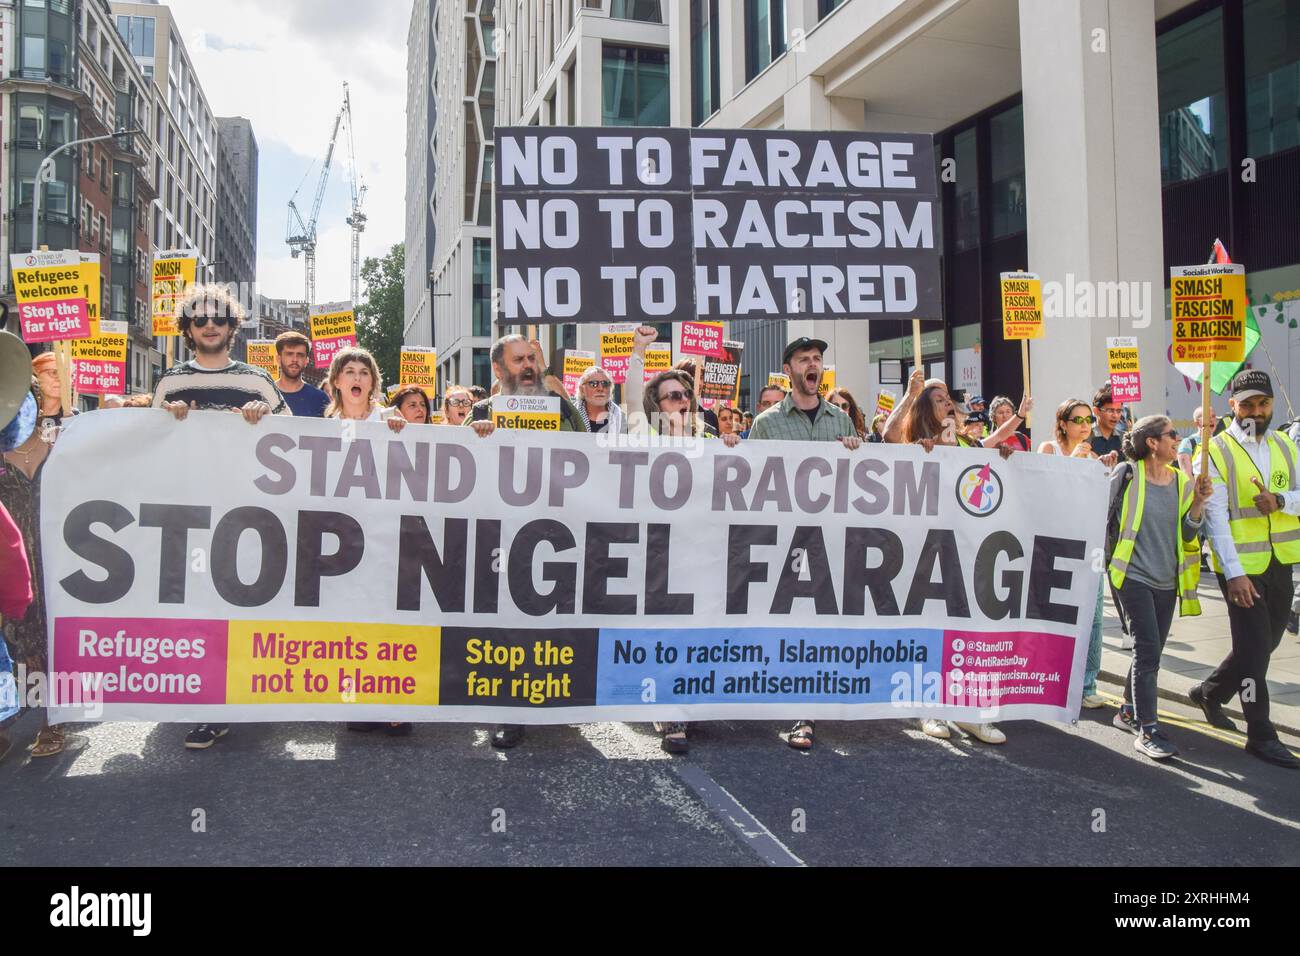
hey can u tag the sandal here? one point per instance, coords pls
(801, 735)
(50, 741)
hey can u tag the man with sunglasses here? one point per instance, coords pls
(208, 317)
(601, 415)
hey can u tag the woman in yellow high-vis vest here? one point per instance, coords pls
(1156, 561)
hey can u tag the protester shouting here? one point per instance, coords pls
(931, 421)
(1154, 560)
(1254, 535)
(292, 354)
(456, 403)
(208, 316)
(842, 399)
(519, 370)
(595, 389)
(804, 415)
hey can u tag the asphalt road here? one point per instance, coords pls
(872, 794)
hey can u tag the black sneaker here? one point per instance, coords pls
(1125, 720)
(1214, 715)
(1293, 623)
(1154, 744)
(205, 735)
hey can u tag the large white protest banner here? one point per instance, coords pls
(304, 569)
(673, 225)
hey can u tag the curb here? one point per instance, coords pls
(1174, 686)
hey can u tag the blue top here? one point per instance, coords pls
(308, 401)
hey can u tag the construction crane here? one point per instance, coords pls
(357, 221)
(301, 236)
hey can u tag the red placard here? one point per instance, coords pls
(701, 338)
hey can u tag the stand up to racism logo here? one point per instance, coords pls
(979, 490)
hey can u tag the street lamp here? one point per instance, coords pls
(45, 174)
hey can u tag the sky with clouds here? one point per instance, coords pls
(282, 66)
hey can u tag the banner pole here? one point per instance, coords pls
(1205, 417)
(1024, 367)
(916, 343)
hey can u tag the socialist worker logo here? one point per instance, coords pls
(979, 491)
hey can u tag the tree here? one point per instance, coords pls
(380, 317)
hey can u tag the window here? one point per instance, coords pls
(1007, 165)
(967, 190)
(704, 60)
(634, 86)
(58, 128)
(56, 197)
(34, 54)
(764, 34)
(31, 123)
(1193, 107)
(1272, 41)
(646, 11)
(482, 368)
(824, 7)
(481, 291)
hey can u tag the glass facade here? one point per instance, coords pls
(764, 34)
(138, 32)
(966, 194)
(1272, 46)
(704, 60)
(647, 11)
(1007, 172)
(824, 7)
(482, 368)
(634, 86)
(1193, 105)
(481, 287)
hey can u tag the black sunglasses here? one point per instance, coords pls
(674, 396)
(220, 321)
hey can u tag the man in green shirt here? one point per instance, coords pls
(804, 415)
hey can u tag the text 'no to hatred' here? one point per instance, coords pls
(671, 225)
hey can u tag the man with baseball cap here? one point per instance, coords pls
(804, 415)
(1253, 525)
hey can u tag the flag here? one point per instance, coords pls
(1221, 373)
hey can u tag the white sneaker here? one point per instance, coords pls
(935, 728)
(1093, 701)
(1126, 642)
(987, 733)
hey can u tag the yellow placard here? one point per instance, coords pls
(312, 662)
(531, 413)
(616, 340)
(173, 272)
(828, 381)
(1022, 305)
(332, 330)
(658, 358)
(419, 366)
(88, 274)
(105, 347)
(779, 379)
(1207, 305)
(261, 354)
(575, 363)
(1121, 356)
(884, 402)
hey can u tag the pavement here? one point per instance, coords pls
(872, 793)
(1196, 646)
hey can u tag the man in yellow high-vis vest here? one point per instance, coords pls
(1253, 524)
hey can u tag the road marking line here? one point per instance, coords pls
(752, 831)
